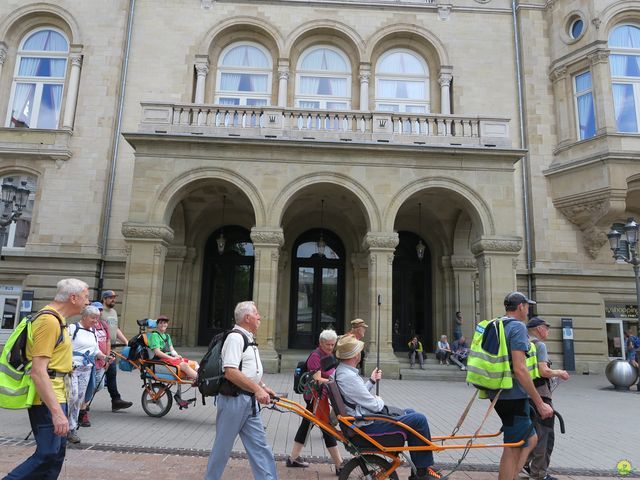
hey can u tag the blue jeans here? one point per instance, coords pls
(419, 423)
(46, 462)
(234, 417)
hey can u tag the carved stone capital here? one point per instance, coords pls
(267, 237)
(202, 69)
(599, 56)
(3, 53)
(497, 245)
(147, 231)
(381, 240)
(76, 60)
(445, 79)
(283, 74)
(463, 263)
(364, 77)
(177, 252)
(558, 74)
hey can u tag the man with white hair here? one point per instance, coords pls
(237, 410)
(50, 352)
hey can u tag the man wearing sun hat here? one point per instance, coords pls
(360, 401)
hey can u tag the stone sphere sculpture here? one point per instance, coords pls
(621, 374)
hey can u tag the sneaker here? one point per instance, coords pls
(297, 463)
(526, 471)
(83, 419)
(429, 474)
(549, 477)
(72, 437)
(119, 404)
(338, 471)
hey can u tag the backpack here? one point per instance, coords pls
(211, 379)
(78, 327)
(16, 385)
(298, 374)
(135, 350)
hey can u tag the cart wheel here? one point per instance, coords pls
(161, 405)
(376, 466)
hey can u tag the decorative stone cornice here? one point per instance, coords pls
(147, 231)
(271, 237)
(463, 263)
(558, 74)
(497, 245)
(381, 240)
(599, 56)
(177, 251)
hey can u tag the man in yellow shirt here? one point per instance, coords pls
(50, 352)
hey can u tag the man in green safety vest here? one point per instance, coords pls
(513, 403)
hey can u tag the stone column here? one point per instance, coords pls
(365, 76)
(381, 246)
(445, 90)
(602, 92)
(564, 105)
(3, 55)
(72, 90)
(202, 69)
(266, 247)
(283, 85)
(464, 272)
(496, 258)
(144, 274)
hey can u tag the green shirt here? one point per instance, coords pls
(158, 340)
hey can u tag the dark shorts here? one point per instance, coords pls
(516, 420)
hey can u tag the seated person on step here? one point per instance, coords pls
(357, 393)
(460, 352)
(162, 346)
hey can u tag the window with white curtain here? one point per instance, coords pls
(402, 82)
(585, 111)
(38, 81)
(624, 42)
(244, 75)
(17, 233)
(323, 79)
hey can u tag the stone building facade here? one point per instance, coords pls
(193, 153)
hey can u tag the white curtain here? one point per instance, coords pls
(625, 109)
(626, 36)
(46, 40)
(28, 66)
(42, 67)
(338, 87)
(586, 116)
(258, 83)
(246, 56)
(401, 89)
(583, 82)
(309, 85)
(50, 106)
(401, 63)
(230, 81)
(23, 103)
(325, 60)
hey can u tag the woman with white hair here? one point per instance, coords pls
(443, 351)
(326, 344)
(85, 353)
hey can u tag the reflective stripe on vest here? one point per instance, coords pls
(485, 370)
(532, 361)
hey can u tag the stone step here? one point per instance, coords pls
(441, 373)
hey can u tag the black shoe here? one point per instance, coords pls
(297, 463)
(119, 404)
(549, 477)
(428, 474)
(526, 471)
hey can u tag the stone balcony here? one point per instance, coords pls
(35, 144)
(356, 127)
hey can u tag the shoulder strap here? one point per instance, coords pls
(79, 327)
(46, 311)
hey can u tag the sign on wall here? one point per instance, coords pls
(620, 310)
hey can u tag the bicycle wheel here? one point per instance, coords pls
(163, 399)
(376, 466)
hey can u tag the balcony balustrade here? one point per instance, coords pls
(322, 125)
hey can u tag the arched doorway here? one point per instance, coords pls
(411, 293)
(227, 279)
(317, 288)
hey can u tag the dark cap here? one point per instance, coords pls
(537, 322)
(98, 305)
(108, 293)
(514, 299)
(162, 318)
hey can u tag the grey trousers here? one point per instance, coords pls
(234, 417)
(540, 457)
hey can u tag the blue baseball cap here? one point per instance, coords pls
(97, 305)
(108, 293)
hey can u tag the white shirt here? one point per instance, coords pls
(232, 354)
(84, 341)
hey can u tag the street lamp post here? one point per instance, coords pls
(14, 199)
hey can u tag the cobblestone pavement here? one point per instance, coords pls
(600, 432)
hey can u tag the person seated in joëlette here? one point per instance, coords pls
(162, 346)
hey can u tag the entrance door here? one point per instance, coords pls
(227, 279)
(411, 294)
(317, 288)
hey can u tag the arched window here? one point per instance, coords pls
(402, 82)
(323, 79)
(244, 75)
(41, 66)
(624, 41)
(16, 234)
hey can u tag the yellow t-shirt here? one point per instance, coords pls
(45, 332)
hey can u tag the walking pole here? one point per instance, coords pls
(378, 343)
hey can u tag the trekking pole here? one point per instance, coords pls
(378, 344)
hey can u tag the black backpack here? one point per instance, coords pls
(211, 374)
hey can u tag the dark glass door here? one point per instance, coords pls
(411, 294)
(317, 289)
(227, 279)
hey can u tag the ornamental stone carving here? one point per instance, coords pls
(283, 74)
(207, 4)
(202, 69)
(596, 22)
(147, 231)
(364, 77)
(445, 79)
(463, 263)
(558, 74)
(586, 216)
(3, 54)
(177, 252)
(76, 60)
(497, 245)
(599, 56)
(381, 240)
(267, 237)
(444, 12)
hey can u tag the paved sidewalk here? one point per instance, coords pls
(601, 428)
